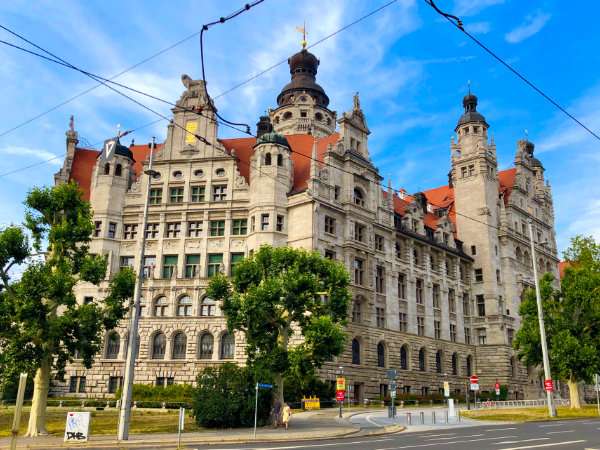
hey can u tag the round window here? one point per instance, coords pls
(319, 116)
(177, 174)
(156, 175)
(220, 172)
(287, 115)
(198, 173)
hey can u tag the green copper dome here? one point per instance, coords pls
(273, 138)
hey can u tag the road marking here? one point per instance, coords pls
(444, 434)
(553, 444)
(561, 424)
(454, 437)
(331, 444)
(432, 444)
(561, 431)
(524, 440)
(501, 429)
(371, 421)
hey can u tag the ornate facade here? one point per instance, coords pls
(436, 276)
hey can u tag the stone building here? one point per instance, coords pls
(436, 276)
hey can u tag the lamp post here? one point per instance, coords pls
(125, 411)
(538, 297)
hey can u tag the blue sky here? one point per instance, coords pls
(410, 67)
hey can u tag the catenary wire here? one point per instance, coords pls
(459, 25)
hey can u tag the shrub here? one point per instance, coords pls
(149, 393)
(311, 387)
(225, 395)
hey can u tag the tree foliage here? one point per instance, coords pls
(279, 292)
(571, 315)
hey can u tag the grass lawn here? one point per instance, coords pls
(531, 414)
(103, 422)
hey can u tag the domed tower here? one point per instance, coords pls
(302, 104)
(270, 181)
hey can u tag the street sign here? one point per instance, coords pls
(77, 427)
(474, 379)
(265, 386)
(340, 384)
(446, 389)
(391, 374)
(474, 386)
(108, 149)
(548, 385)
(340, 395)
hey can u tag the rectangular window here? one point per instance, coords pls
(401, 285)
(436, 296)
(453, 332)
(87, 300)
(173, 229)
(471, 170)
(419, 291)
(97, 228)
(176, 195)
(114, 384)
(380, 280)
(451, 301)
(463, 172)
(192, 266)
(126, 261)
(264, 222)
(215, 261)
(480, 300)
(155, 196)
(82, 382)
(479, 275)
(329, 225)
(169, 266)
(149, 265)
(252, 223)
(403, 322)
(236, 258)
(112, 230)
(219, 192)
(197, 194)
(239, 227)
(160, 381)
(467, 335)
(498, 276)
(510, 335)
(329, 254)
(73, 384)
(217, 228)
(151, 230)
(194, 228)
(466, 305)
(130, 230)
(336, 192)
(379, 243)
(358, 271)
(437, 329)
(279, 223)
(380, 316)
(473, 250)
(421, 326)
(359, 232)
(481, 336)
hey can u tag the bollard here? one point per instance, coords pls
(422, 417)
(458, 414)
(60, 404)
(107, 404)
(408, 418)
(433, 417)
(163, 405)
(446, 415)
(83, 403)
(402, 404)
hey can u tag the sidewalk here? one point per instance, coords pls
(309, 425)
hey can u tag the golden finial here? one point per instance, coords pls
(302, 30)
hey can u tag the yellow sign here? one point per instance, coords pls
(191, 127)
(312, 403)
(340, 384)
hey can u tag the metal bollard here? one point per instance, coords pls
(446, 415)
(408, 418)
(433, 417)
(422, 416)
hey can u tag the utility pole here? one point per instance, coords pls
(538, 297)
(125, 412)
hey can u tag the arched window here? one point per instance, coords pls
(280, 160)
(267, 159)
(207, 307)
(519, 255)
(526, 258)
(106, 169)
(355, 351)
(438, 362)
(113, 343)
(359, 197)
(179, 345)
(227, 346)
(287, 115)
(404, 357)
(318, 116)
(137, 346)
(277, 119)
(469, 365)
(118, 170)
(159, 344)
(160, 307)
(422, 365)
(380, 355)
(206, 346)
(184, 306)
(454, 364)
(356, 310)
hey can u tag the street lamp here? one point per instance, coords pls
(538, 297)
(125, 412)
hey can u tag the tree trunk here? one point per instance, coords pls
(41, 384)
(574, 393)
(279, 393)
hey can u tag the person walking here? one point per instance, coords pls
(276, 412)
(287, 413)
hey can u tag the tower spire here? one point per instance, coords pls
(302, 30)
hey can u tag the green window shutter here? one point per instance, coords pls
(192, 259)
(215, 258)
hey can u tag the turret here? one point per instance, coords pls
(64, 174)
(354, 131)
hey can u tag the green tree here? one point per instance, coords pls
(277, 293)
(572, 319)
(43, 326)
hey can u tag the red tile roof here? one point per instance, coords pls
(562, 266)
(82, 168)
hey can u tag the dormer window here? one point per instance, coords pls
(359, 197)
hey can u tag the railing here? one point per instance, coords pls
(518, 403)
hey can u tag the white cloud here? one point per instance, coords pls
(532, 25)
(472, 7)
(478, 27)
(26, 152)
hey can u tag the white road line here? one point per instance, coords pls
(454, 437)
(368, 418)
(444, 434)
(501, 429)
(561, 431)
(553, 444)
(524, 440)
(447, 442)
(561, 424)
(308, 444)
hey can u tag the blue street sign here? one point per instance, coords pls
(265, 385)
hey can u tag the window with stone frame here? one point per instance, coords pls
(480, 300)
(404, 357)
(379, 243)
(419, 291)
(454, 364)
(436, 295)
(358, 197)
(219, 192)
(329, 225)
(479, 275)
(360, 232)
(215, 262)
(510, 335)
(113, 344)
(169, 266)
(77, 384)
(467, 335)
(357, 311)
(208, 307)
(380, 317)
(114, 384)
(330, 254)
(422, 359)
(155, 197)
(149, 266)
(439, 366)
(97, 228)
(451, 301)
(380, 354)
(279, 223)
(227, 350)
(173, 229)
(197, 193)
(359, 271)
(176, 194)
(234, 260)
(126, 261)
(206, 346)
(130, 230)
(194, 228)
(399, 250)
(159, 345)
(179, 345)
(481, 336)
(401, 285)
(469, 365)
(336, 192)
(192, 266)
(421, 326)
(437, 329)
(184, 306)
(380, 280)
(112, 230)
(239, 227)
(264, 222)
(471, 170)
(355, 351)
(403, 317)
(466, 302)
(161, 307)
(217, 228)
(453, 332)
(417, 256)
(151, 230)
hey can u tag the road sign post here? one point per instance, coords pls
(474, 380)
(180, 426)
(340, 392)
(497, 388)
(262, 386)
(18, 410)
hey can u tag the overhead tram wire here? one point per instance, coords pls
(454, 20)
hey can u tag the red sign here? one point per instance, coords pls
(340, 395)
(497, 386)
(474, 379)
(548, 385)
